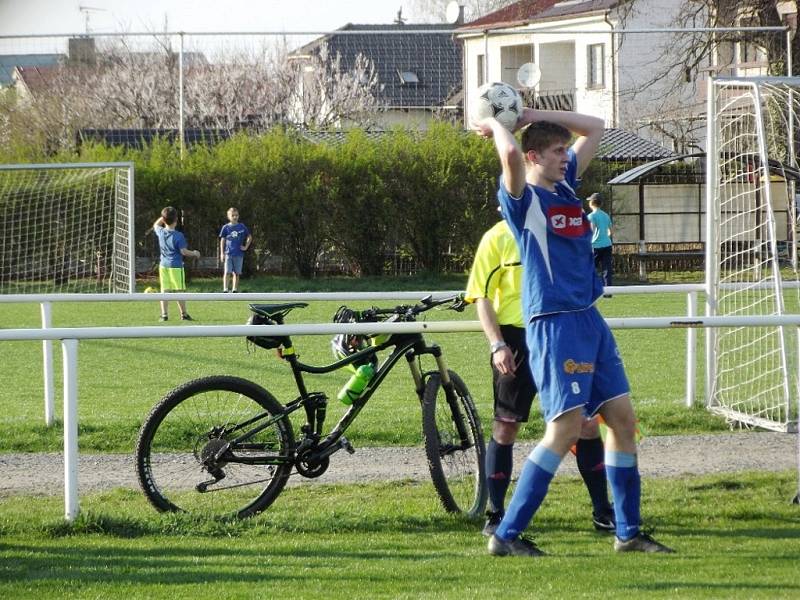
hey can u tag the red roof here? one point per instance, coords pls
(39, 78)
(530, 11)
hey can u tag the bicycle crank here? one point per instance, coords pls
(311, 466)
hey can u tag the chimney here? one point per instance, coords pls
(81, 51)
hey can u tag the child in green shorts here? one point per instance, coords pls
(173, 247)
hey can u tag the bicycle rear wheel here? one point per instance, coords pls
(182, 460)
(454, 445)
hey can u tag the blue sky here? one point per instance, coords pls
(64, 16)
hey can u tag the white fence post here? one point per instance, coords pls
(47, 353)
(691, 350)
(70, 350)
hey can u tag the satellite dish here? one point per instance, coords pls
(529, 74)
(453, 11)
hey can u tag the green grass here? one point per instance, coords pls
(735, 536)
(120, 380)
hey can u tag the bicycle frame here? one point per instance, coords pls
(409, 345)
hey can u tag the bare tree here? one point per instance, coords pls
(125, 87)
(322, 92)
(686, 56)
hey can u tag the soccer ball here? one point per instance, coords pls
(149, 290)
(498, 100)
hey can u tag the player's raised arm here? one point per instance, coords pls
(511, 158)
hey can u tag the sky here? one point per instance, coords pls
(19, 17)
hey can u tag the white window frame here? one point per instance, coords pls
(592, 69)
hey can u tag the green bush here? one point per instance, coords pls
(428, 193)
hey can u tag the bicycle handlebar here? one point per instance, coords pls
(409, 312)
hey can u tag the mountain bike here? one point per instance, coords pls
(223, 445)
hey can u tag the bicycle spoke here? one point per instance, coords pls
(178, 450)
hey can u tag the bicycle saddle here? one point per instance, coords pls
(276, 312)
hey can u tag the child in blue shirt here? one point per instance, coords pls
(173, 247)
(234, 240)
(601, 239)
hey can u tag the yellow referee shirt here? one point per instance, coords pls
(497, 275)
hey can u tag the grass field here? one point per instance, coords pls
(120, 380)
(734, 536)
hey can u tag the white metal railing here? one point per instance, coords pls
(69, 337)
(46, 301)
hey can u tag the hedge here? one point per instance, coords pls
(430, 194)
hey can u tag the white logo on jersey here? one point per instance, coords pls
(234, 234)
(576, 388)
(536, 223)
(559, 221)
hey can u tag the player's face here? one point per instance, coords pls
(233, 216)
(552, 162)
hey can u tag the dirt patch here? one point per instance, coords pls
(662, 456)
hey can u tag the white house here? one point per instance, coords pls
(631, 80)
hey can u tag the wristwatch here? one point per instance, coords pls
(495, 346)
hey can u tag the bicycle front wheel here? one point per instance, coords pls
(454, 445)
(185, 459)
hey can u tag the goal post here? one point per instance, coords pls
(67, 228)
(751, 236)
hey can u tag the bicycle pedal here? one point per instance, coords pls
(345, 443)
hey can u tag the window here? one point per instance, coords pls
(481, 70)
(595, 64)
(511, 59)
(408, 77)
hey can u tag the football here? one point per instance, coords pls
(498, 100)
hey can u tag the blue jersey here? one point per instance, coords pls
(235, 235)
(170, 243)
(555, 241)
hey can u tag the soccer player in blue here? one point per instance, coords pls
(234, 240)
(573, 356)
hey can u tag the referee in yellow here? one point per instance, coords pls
(495, 286)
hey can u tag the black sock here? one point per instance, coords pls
(590, 456)
(499, 464)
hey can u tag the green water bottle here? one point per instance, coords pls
(356, 384)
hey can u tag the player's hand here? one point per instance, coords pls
(197, 253)
(504, 362)
(483, 127)
(527, 117)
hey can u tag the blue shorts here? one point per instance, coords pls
(233, 264)
(575, 362)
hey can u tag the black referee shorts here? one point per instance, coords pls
(513, 393)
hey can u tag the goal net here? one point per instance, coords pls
(66, 228)
(752, 248)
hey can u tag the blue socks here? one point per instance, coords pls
(499, 464)
(531, 489)
(623, 476)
